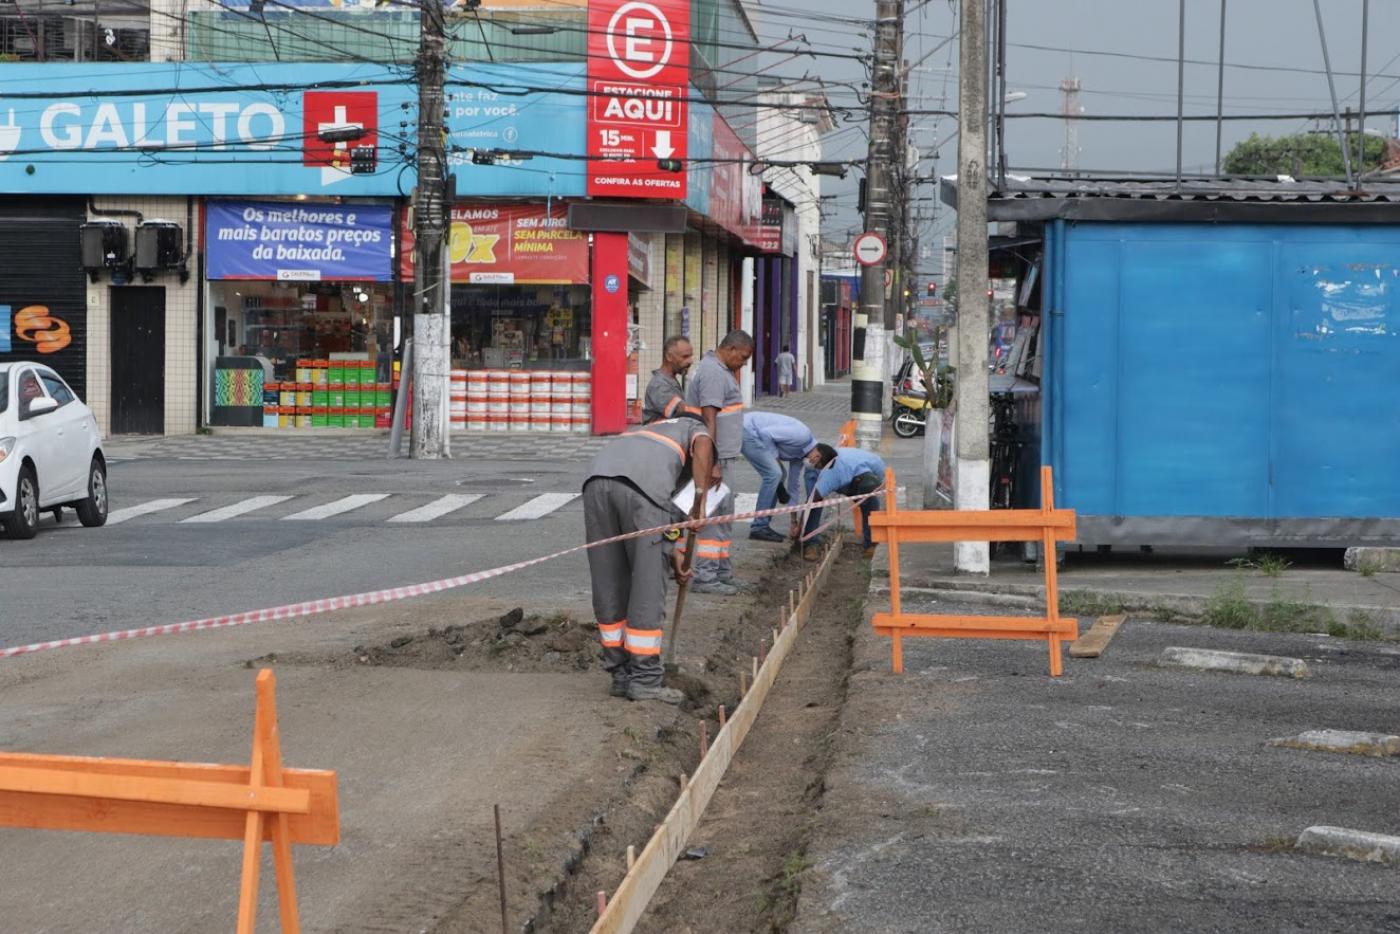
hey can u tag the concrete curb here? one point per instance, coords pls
(1343, 741)
(1353, 844)
(1241, 663)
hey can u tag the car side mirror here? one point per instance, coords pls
(39, 406)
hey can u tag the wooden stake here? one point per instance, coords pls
(704, 738)
(782, 619)
(722, 717)
(602, 902)
(501, 872)
(775, 637)
(755, 667)
(631, 857)
(743, 685)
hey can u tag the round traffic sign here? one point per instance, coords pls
(870, 249)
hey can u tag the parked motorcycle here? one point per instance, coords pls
(909, 414)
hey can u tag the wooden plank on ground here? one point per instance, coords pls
(1093, 642)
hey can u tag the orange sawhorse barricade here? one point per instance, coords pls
(257, 802)
(1046, 525)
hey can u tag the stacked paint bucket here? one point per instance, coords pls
(498, 400)
(476, 400)
(541, 399)
(581, 407)
(457, 399)
(561, 401)
(519, 406)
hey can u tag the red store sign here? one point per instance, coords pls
(503, 244)
(638, 81)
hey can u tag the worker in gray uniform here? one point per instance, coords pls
(630, 487)
(664, 397)
(714, 391)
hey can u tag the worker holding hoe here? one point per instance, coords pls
(631, 486)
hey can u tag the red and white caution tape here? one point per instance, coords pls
(372, 597)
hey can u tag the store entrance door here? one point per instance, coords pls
(138, 360)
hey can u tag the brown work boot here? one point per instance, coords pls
(868, 553)
(812, 553)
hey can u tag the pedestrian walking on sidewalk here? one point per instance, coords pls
(844, 472)
(664, 397)
(714, 391)
(771, 440)
(787, 369)
(630, 487)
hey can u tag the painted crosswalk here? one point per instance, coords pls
(438, 507)
(541, 505)
(118, 516)
(240, 508)
(336, 507)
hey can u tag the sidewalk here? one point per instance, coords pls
(974, 793)
(1195, 585)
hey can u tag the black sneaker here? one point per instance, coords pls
(766, 534)
(618, 689)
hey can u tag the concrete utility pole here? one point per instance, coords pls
(432, 318)
(875, 318)
(1069, 106)
(972, 466)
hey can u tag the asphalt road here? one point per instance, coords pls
(510, 501)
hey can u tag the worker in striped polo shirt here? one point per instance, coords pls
(714, 390)
(664, 397)
(630, 487)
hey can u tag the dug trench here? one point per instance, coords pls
(575, 844)
(744, 863)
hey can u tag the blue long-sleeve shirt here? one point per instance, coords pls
(849, 464)
(786, 438)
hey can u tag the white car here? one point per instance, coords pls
(50, 451)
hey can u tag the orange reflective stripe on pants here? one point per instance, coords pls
(707, 547)
(611, 634)
(644, 641)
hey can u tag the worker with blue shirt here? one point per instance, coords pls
(847, 472)
(771, 439)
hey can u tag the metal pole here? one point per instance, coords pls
(1361, 126)
(430, 295)
(1220, 91)
(874, 319)
(1180, 84)
(401, 397)
(501, 872)
(1332, 89)
(973, 467)
(1001, 94)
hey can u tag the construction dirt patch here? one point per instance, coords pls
(750, 848)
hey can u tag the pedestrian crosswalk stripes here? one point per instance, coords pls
(438, 507)
(118, 516)
(336, 507)
(242, 507)
(541, 505)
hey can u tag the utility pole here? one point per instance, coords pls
(431, 293)
(1069, 106)
(972, 465)
(875, 318)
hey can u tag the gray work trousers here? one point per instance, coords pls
(629, 578)
(712, 542)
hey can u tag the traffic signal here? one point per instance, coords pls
(932, 289)
(670, 165)
(363, 160)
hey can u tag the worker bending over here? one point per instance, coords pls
(714, 391)
(771, 440)
(630, 487)
(664, 397)
(847, 472)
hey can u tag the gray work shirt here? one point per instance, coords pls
(715, 385)
(664, 397)
(653, 458)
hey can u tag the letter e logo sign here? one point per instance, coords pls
(646, 39)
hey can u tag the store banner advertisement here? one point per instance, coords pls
(500, 244)
(299, 242)
(770, 231)
(638, 100)
(736, 194)
(183, 128)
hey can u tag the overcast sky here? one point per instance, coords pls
(1277, 39)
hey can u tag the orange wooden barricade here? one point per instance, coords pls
(256, 802)
(1046, 525)
(847, 439)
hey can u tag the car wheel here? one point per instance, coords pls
(24, 522)
(92, 512)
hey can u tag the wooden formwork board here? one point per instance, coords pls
(629, 902)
